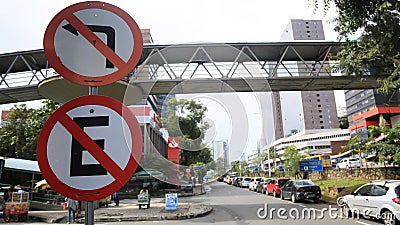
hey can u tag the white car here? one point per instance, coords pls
(348, 163)
(253, 183)
(379, 199)
(244, 182)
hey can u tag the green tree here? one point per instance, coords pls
(273, 155)
(355, 144)
(377, 50)
(20, 130)
(387, 149)
(185, 119)
(13, 135)
(292, 159)
(241, 167)
(219, 166)
(235, 166)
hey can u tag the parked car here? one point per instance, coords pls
(253, 183)
(230, 180)
(236, 181)
(244, 182)
(260, 185)
(264, 185)
(300, 190)
(379, 199)
(348, 163)
(274, 186)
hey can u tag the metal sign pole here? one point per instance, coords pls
(93, 90)
(89, 210)
(89, 213)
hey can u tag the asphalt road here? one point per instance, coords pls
(233, 205)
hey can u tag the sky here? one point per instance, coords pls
(23, 23)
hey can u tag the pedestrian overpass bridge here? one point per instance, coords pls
(190, 68)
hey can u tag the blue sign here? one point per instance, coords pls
(311, 165)
(171, 201)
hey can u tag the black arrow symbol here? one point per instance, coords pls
(109, 31)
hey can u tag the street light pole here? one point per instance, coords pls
(269, 164)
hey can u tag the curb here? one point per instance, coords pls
(45, 220)
(207, 210)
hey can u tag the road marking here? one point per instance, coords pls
(362, 222)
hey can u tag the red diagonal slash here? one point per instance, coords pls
(95, 41)
(84, 139)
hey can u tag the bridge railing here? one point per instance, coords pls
(193, 61)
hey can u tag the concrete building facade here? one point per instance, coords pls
(370, 108)
(313, 142)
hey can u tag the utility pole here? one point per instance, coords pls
(269, 164)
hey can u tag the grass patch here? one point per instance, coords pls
(349, 184)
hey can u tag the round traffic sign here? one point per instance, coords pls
(93, 43)
(89, 147)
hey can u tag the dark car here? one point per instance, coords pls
(300, 190)
(260, 184)
(274, 186)
(263, 185)
(236, 181)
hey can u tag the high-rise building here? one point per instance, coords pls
(221, 151)
(318, 107)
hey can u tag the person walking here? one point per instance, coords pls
(72, 206)
(116, 198)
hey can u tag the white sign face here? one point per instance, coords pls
(80, 55)
(93, 43)
(75, 166)
(89, 147)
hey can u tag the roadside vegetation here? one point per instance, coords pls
(349, 185)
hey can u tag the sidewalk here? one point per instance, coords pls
(128, 210)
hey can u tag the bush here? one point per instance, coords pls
(350, 186)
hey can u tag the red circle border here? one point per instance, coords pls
(128, 171)
(55, 61)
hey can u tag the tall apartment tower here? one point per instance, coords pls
(319, 107)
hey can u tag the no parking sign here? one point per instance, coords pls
(89, 147)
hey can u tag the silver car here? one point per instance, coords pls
(378, 199)
(244, 183)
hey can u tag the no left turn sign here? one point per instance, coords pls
(89, 147)
(93, 43)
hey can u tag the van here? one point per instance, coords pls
(325, 158)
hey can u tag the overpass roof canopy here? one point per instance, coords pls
(221, 52)
(21, 165)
